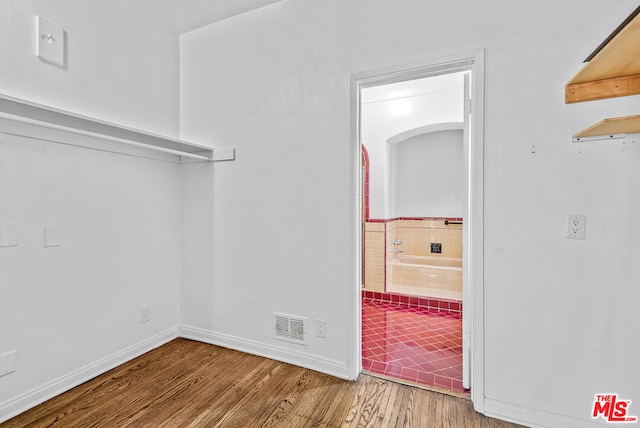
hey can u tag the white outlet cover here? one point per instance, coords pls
(576, 226)
(8, 362)
(49, 41)
(8, 235)
(51, 236)
(321, 328)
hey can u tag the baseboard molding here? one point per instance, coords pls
(302, 359)
(32, 398)
(535, 418)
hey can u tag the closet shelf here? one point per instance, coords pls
(616, 127)
(44, 116)
(613, 69)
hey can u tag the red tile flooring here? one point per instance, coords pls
(418, 345)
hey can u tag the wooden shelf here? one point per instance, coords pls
(611, 127)
(40, 115)
(613, 70)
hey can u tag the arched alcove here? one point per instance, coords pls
(426, 172)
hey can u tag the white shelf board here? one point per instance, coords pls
(41, 115)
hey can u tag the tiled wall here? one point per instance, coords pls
(416, 235)
(374, 256)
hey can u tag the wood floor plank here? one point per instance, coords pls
(153, 382)
(81, 401)
(191, 384)
(201, 386)
(369, 406)
(315, 401)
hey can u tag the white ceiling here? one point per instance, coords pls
(181, 16)
(452, 82)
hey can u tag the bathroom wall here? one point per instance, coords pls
(73, 311)
(426, 176)
(389, 110)
(558, 313)
(374, 253)
(417, 235)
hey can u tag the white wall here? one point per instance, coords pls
(426, 175)
(119, 67)
(74, 310)
(560, 314)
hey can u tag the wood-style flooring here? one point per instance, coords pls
(192, 384)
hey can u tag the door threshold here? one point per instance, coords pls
(466, 396)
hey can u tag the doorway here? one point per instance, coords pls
(385, 208)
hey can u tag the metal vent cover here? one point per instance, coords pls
(290, 328)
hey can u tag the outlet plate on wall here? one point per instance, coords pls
(145, 313)
(8, 235)
(51, 236)
(576, 225)
(321, 328)
(8, 362)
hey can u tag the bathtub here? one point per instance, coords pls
(425, 276)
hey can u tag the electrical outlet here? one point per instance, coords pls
(576, 225)
(321, 328)
(145, 313)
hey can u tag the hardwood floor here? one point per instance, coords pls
(191, 384)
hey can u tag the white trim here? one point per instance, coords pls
(426, 129)
(279, 353)
(535, 418)
(355, 161)
(466, 277)
(32, 398)
(476, 231)
(474, 61)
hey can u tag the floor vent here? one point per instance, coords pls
(290, 328)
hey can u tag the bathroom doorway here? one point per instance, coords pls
(418, 141)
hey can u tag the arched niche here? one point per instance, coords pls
(425, 171)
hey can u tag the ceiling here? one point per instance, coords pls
(452, 82)
(181, 16)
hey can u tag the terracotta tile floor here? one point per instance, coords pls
(418, 345)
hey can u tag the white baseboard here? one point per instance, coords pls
(302, 359)
(535, 418)
(32, 398)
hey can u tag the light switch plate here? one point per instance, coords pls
(49, 41)
(51, 236)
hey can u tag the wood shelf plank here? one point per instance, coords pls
(614, 69)
(601, 89)
(612, 126)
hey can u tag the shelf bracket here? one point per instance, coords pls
(598, 138)
(623, 138)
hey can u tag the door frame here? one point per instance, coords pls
(473, 240)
